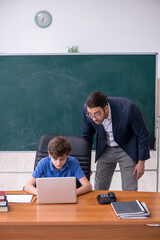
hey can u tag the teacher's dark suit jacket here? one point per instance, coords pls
(129, 129)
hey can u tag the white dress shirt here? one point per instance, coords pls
(107, 124)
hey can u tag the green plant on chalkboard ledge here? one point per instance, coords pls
(73, 49)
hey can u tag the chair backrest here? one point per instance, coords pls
(81, 150)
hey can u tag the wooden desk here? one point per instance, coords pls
(84, 220)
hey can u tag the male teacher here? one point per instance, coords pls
(122, 137)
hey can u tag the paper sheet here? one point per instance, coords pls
(19, 198)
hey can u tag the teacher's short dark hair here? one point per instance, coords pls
(97, 99)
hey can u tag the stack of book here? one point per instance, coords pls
(3, 202)
(131, 209)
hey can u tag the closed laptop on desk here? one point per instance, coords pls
(56, 190)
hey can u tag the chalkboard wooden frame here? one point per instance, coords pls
(44, 93)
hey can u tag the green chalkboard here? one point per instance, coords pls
(44, 94)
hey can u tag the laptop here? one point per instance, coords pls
(56, 190)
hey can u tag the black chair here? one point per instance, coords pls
(81, 150)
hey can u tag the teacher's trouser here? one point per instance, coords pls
(106, 165)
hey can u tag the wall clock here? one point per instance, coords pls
(43, 19)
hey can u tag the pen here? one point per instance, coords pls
(35, 198)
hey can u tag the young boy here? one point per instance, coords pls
(58, 164)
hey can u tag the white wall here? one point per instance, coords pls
(93, 25)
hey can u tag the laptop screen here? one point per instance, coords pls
(56, 190)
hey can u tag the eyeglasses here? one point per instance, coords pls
(96, 115)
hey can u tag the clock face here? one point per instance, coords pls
(43, 19)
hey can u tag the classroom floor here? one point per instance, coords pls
(16, 167)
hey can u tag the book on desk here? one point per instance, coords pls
(130, 209)
(3, 202)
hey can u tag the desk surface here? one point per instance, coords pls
(86, 212)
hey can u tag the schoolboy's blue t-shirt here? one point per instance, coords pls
(71, 168)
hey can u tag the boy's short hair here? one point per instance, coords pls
(97, 99)
(59, 146)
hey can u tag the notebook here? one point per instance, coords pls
(131, 209)
(56, 190)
